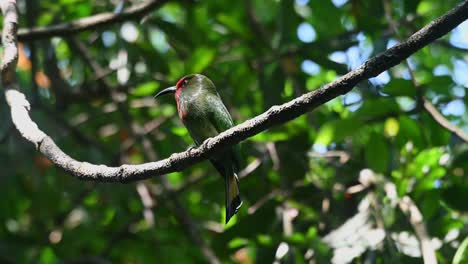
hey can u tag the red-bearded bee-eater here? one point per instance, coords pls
(204, 115)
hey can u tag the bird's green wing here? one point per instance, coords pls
(221, 120)
(218, 114)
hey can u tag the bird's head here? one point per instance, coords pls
(190, 82)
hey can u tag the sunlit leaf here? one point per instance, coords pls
(399, 87)
(391, 127)
(47, 256)
(461, 256)
(201, 59)
(146, 89)
(337, 130)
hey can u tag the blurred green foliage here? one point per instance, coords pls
(299, 177)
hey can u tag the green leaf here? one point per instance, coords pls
(399, 87)
(320, 19)
(232, 23)
(270, 136)
(238, 242)
(200, 59)
(47, 256)
(377, 107)
(424, 7)
(425, 162)
(145, 89)
(297, 238)
(91, 199)
(461, 256)
(391, 127)
(439, 84)
(265, 240)
(109, 215)
(437, 135)
(456, 196)
(377, 153)
(409, 131)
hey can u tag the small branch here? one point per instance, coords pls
(145, 130)
(409, 208)
(271, 147)
(274, 193)
(147, 201)
(415, 217)
(274, 116)
(87, 23)
(342, 156)
(250, 168)
(262, 201)
(442, 121)
(189, 182)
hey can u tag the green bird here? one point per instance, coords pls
(204, 115)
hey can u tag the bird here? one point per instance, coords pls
(204, 114)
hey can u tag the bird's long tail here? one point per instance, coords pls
(233, 200)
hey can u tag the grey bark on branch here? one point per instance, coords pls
(88, 23)
(274, 116)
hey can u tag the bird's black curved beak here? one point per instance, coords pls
(171, 89)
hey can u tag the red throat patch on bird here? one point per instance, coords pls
(179, 87)
(177, 93)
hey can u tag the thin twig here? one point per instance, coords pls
(271, 147)
(250, 168)
(415, 217)
(147, 201)
(68, 28)
(409, 208)
(442, 121)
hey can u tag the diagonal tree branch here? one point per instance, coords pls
(88, 23)
(426, 104)
(442, 121)
(274, 116)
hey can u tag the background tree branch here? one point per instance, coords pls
(178, 161)
(88, 23)
(425, 103)
(9, 40)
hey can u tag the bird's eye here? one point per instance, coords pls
(185, 82)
